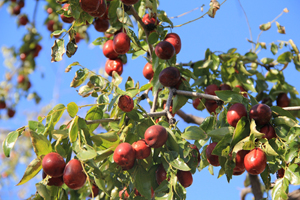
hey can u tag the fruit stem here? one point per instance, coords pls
(196, 94)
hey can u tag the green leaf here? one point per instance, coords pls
(86, 153)
(193, 133)
(123, 17)
(266, 61)
(279, 111)
(285, 57)
(266, 178)
(32, 170)
(265, 27)
(242, 130)
(153, 38)
(94, 113)
(274, 48)
(43, 191)
(281, 189)
(72, 109)
(117, 79)
(254, 131)
(41, 145)
(218, 134)
(80, 77)
(229, 96)
(178, 102)
(143, 182)
(99, 41)
(57, 50)
(178, 163)
(267, 148)
(283, 120)
(292, 174)
(57, 32)
(9, 142)
(71, 49)
(73, 130)
(162, 16)
(251, 56)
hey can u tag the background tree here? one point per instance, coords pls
(200, 66)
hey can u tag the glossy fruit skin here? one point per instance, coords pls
(156, 136)
(235, 113)
(124, 155)
(283, 100)
(23, 20)
(210, 89)
(129, 2)
(54, 181)
(164, 50)
(169, 76)
(121, 43)
(160, 174)
(269, 131)
(89, 5)
(237, 173)
(255, 161)
(175, 40)
(242, 90)
(109, 51)
(261, 113)
(212, 159)
(239, 160)
(211, 106)
(16, 10)
(74, 176)
(2, 104)
(100, 12)
(185, 178)
(142, 150)
(280, 173)
(224, 86)
(197, 104)
(126, 103)
(11, 112)
(101, 25)
(64, 18)
(53, 164)
(114, 65)
(148, 71)
(147, 20)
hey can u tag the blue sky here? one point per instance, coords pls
(227, 30)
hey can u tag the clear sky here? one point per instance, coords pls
(227, 30)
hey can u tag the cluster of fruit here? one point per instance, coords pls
(10, 111)
(17, 6)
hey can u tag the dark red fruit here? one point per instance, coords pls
(37, 50)
(95, 190)
(54, 181)
(269, 131)
(235, 113)
(49, 11)
(11, 112)
(77, 38)
(169, 77)
(224, 86)
(211, 106)
(198, 105)
(211, 89)
(74, 176)
(160, 174)
(21, 79)
(121, 43)
(2, 104)
(212, 159)
(237, 173)
(175, 40)
(63, 17)
(23, 56)
(16, 10)
(261, 113)
(100, 12)
(156, 136)
(185, 178)
(89, 5)
(239, 160)
(283, 100)
(142, 150)
(124, 155)
(53, 164)
(280, 173)
(148, 71)
(114, 65)
(129, 2)
(170, 108)
(242, 90)
(21, 3)
(109, 51)
(164, 50)
(126, 103)
(123, 194)
(255, 161)
(23, 20)
(50, 25)
(101, 25)
(147, 20)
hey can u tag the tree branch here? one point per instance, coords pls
(189, 118)
(255, 186)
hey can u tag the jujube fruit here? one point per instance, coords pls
(269, 131)
(255, 161)
(11, 112)
(124, 155)
(54, 181)
(224, 86)
(142, 150)
(175, 40)
(185, 178)
(125, 103)
(169, 76)
(261, 113)
(65, 18)
(211, 106)
(129, 2)
(121, 43)
(108, 50)
(156, 136)
(239, 160)
(114, 65)
(210, 89)
(53, 164)
(160, 174)
(283, 100)
(235, 113)
(164, 50)
(197, 104)
(2, 104)
(101, 25)
(74, 176)
(242, 90)
(212, 159)
(100, 11)
(89, 5)
(148, 71)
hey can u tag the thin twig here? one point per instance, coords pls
(154, 102)
(253, 49)
(195, 94)
(34, 12)
(186, 12)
